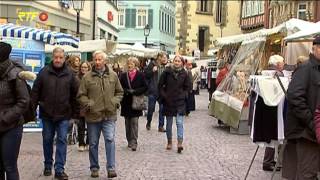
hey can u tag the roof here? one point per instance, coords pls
(46, 36)
(305, 34)
(291, 26)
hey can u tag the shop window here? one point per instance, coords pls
(102, 34)
(141, 18)
(121, 17)
(109, 36)
(302, 11)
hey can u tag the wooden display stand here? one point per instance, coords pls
(243, 128)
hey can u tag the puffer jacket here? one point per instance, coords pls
(101, 94)
(14, 97)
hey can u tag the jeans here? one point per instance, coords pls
(48, 132)
(131, 124)
(152, 99)
(179, 122)
(107, 127)
(10, 142)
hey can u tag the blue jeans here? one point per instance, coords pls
(152, 99)
(179, 123)
(48, 132)
(10, 142)
(107, 127)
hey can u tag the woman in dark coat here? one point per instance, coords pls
(174, 85)
(14, 100)
(138, 87)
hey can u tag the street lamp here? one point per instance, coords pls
(78, 6)
(146, 34)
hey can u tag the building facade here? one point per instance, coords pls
(199, 23)
(281, 11)
(106, 20)
(159, 15)
(51, 15)
(253, 16)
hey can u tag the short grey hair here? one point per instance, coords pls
(275, 59)
(104, 55)
(57, 49)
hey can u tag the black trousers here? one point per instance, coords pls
(82, 133)
(10, 142)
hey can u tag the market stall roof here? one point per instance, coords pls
(46, 36)
(86, 46)
(136, 50)
(305, 34)
(290, 26)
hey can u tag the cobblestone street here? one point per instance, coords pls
(211, 152)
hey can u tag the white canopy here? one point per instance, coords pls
(85, 46)
(291, 26)
(135, 50)
(305, 34)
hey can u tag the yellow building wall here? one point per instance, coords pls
(232, 26)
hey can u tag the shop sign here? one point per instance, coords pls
(30, 16)
(110, 16)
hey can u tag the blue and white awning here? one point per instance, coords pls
(46, 36)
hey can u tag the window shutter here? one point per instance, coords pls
(224, 11)
(128, 19)
(150, 17)
(133, 18)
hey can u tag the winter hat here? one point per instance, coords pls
(5, 50)
(316, 40)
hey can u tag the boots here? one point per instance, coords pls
(169, 145)
(180, 147)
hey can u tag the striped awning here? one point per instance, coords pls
(46, 36)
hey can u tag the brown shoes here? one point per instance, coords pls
(161, 129)
(180, 147)
(169, 145)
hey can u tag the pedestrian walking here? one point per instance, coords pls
(174, 85)
(83, 139)
(134, 84)
(303, 97)
(55, 91)
(15, 98)
(101, 92)
(153, 72)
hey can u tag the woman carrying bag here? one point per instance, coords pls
(174, 85)
(134, 86)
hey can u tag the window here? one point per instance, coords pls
(204, 5)
(141, 18)
(162, 21)
(114, 2)
(121, 18)
(219, 12)
(115, 38)
(302, 11)
(109, 36)
(102, 34)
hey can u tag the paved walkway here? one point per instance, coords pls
(210, 153)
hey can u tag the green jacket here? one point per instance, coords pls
(100, 94)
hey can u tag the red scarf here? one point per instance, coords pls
(132, 74)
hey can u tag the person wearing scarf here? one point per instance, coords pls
(133, 84)
(174, 85)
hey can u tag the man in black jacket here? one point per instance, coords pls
(303, 97)
(55, 91)
(153, 72)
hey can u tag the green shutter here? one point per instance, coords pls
(127, 23)
(133, 18)
(150, 17)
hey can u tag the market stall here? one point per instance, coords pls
(28, 47)
(230, 99)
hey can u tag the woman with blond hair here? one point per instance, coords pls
(134, 84)
(174, 85)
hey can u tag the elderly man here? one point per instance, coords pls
(55, 91)
(101, 92)
(303, 97)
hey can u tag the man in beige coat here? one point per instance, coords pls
(101, 92)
